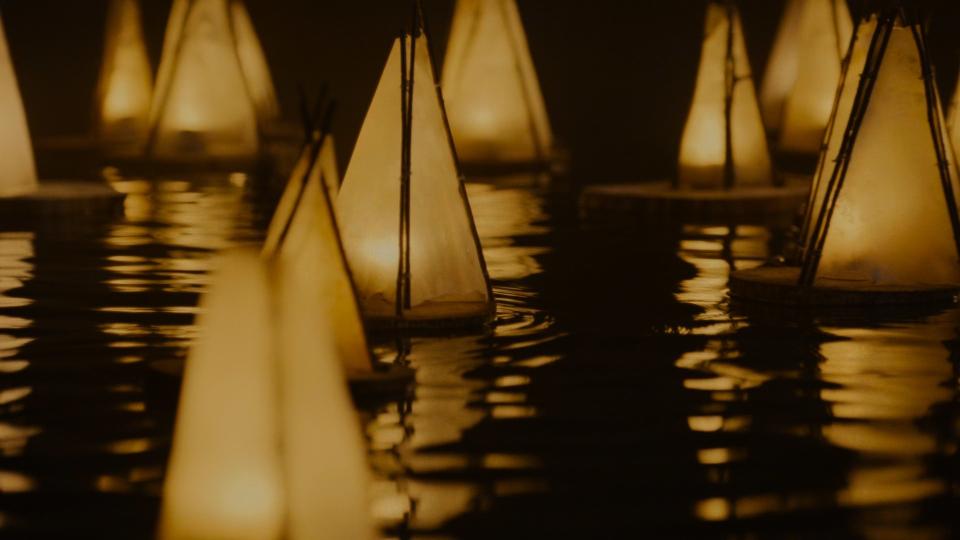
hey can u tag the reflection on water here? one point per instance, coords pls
(619, 394)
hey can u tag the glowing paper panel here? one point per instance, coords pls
(496, 107)
(256, 71)
(781, 73)
(703, 148)
(18, 174)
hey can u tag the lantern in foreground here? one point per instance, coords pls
(266, 444)
(214, 94)
(405, 219)
(725, 173)
(497, 111)
(884, 225)
(18, 174)
(804, 71)
(126, 82)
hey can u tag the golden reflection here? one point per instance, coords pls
(14, 482)
(501, 215)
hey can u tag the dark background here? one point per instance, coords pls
(617, 74)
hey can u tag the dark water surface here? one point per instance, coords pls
(619, 394)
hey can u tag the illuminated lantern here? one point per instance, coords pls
(884, 225)
(18, 174)
(803, 72)
(266, 444)
(405, 219)
(724, 144)
(126, 82)
(497, 111)
(214, 94)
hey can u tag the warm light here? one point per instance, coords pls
(446, 266)
(126, 82)
(18, 174)
(256, 71)
(496, 107)
(703, 148)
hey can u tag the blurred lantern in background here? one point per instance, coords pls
(18, 174)
(497, 111)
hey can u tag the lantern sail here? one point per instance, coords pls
(126, 82)
(405, 171)
(887, 210)
(213, 92)
(724, 144)
(18, 174)
(781, 73)
(303, 235)
(267, 444)
(497, 111)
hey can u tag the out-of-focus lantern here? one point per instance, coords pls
(884, 224)
(803, 72)
(267, 444)
(405, 219)
(497, 111)
(214, 95)
(18, 174)
(126, 82)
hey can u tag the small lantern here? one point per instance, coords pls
(497, 111)
(18, 174)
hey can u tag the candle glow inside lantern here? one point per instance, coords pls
(883, 224)
(126, 82)
(803, 73)
(214, 94)
(18, 174)
(267, 444)
(493, 95)
(405, 219)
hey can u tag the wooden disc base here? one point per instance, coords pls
(430, 316)
(660, 202)
(62, 199)
(780, 285)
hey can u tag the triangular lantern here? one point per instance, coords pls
(724, 144)
(18, 174)
(497, 110)
(405, 219)
(126, 82)
(214, 95)
(267, 445)
(804, 71)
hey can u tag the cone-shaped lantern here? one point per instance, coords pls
(18, 174)
(126, 82)
(267, 444)
(883, 224)
(724, 144)
(404, 215)
(804, 70)
(497, 111)
(213, 93)
(953, 119)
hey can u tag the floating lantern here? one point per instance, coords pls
(214, 94)
(126, 82)
(725, 172)
(405, 219)
(803, 72)
(18, 174)
(266, 444)
(497, 111)
(883, 224)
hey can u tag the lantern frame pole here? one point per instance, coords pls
(729, 88)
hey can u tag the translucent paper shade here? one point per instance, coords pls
(18, 173)
(446, 265)
(891, 224)
(203, 108)
(225, 477)
(823, 37)
(703, 148)
(126, 83)
(493, 96)
(254, 64)
(304, 240)
(782, 66)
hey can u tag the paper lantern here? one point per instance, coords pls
(126, 82)
(497, 111)
(405, 219)
(18, 174)
(214, 92)
(798, 95)
(267, 444)
(724, 144)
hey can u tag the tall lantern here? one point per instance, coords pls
(18, 174)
